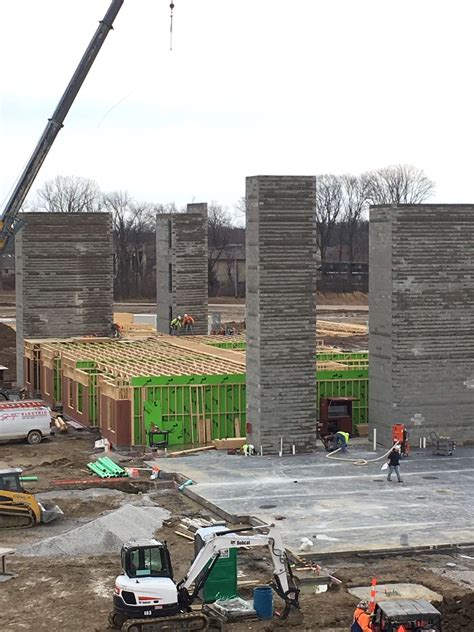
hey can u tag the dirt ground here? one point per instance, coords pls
(56, 594)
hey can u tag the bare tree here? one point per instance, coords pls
(119, 204)
(240, 210)
(170, 207)
(398, 184)
(355, 192)
(69, 194)
(328, 209)
(219, 230)
(143, 248)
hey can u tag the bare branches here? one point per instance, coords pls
(219, 234)
(328, 209)
(355, 193)
(69, 194)
(399, 184)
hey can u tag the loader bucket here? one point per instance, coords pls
(49, 512)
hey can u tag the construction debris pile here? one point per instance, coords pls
(105, 534)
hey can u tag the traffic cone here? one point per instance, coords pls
(373, 592)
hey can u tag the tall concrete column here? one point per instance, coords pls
(421, 320)
(64, 277)
(281, 312)
(182, 267)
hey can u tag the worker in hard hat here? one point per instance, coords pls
(342, 439)
(188, 323)
(175, 326)
(362, 618)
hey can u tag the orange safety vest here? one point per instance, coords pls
(363, 619)
(402, 628)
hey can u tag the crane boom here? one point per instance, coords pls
(9, 221)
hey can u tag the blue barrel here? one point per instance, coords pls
(263, 602)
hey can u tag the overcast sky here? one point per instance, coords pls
(251, 87)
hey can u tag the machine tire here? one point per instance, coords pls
(134, 628)
(34, 437)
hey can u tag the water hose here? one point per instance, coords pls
(361, 461)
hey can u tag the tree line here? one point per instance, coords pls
(133, 224)
(342, 202)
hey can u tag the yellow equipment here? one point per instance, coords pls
(19, 508)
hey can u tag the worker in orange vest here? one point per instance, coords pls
(401, 628)
(188, 322)
(362, 619)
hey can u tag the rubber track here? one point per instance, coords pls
(16, 519)
(179, 623)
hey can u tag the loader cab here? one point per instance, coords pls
(10, 479)
(146, 558)
(415, 615)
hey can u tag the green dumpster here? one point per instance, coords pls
(222, 580)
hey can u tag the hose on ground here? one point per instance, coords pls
(360, 461)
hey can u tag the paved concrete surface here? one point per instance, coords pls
(339, 506)
(397, 591)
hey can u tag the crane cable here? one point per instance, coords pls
(171, 25)
(361, 461)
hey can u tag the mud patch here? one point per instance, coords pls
(457, 613)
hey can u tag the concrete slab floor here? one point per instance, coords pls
(340, 506)
(397, 591)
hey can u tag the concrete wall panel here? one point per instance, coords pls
(281, 312)
(421, 311)
(64, 277)
(182, 251)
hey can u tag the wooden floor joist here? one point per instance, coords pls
(157, 355)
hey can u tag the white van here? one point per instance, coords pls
(25, 420)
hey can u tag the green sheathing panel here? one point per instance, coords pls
(93, 400)
(347, 383)
(87, 367)
(228, 344)
(340, 356)
(176, 403)
(57, 381)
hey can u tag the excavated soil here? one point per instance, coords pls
(8, 351)
(458, 613)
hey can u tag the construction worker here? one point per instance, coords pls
(116, 330)
(394, 464)
(188, 322)
(342, 439)
(175, 326)
(362, 619)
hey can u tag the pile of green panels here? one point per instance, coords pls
(106, 468)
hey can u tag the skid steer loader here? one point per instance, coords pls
(19, 508)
